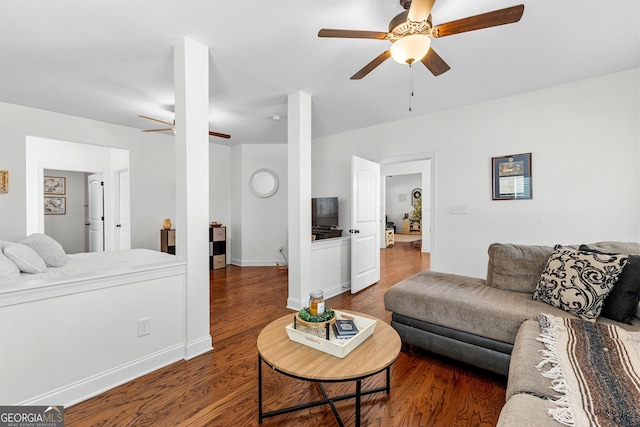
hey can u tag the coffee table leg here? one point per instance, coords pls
(259, 389)
(388, 379)
(358, 399)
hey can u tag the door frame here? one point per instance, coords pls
(432, 157)
(45, 153)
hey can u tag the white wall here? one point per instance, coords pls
(69, 229)
(220, 189)
(151, 162)
(584, 139)
(259, 225)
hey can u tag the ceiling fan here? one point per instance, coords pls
(172, 127)
(411, 31)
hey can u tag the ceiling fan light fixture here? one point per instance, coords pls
(410, 48)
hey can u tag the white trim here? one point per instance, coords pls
(198, 347)
(432, 156)
(99, 383)
(44, 153)
(256, 263)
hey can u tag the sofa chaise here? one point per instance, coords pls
(492, 323)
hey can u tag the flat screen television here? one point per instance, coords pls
(324, 212)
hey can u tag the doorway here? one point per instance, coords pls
(423, 165)
(47, 154)
(402, 205)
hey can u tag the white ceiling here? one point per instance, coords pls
(112, 60)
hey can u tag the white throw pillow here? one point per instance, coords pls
(8, 269)
(48, 248)
(25, 258)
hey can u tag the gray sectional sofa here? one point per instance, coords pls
(491, 323)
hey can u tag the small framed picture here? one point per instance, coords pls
(4, 181)
(55, 185)
(55, 205)
(512, 177)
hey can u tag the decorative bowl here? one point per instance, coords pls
(329, 316)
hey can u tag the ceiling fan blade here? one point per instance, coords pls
(478, 22)
(156, 120)
(158, 130)
(371, 65)
(435, 63)
(352, 34)
(420, 10)
(219, 135)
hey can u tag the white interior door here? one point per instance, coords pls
(96, 212)
(123, 211)
(365, 223)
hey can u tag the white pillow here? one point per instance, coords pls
(25, 258)
(48, 248)
(8, 269)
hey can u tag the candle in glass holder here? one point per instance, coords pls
(316, 303)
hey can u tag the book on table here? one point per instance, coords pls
(345, 328)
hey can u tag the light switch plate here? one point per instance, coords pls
(458, 209)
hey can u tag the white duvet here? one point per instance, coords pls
(90, 264)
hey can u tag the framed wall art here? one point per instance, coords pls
(512, 177)
(55, 205)
(4, 181)
(55, 185)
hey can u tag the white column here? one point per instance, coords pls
(299, 206)
(191, 75)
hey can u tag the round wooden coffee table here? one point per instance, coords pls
(376, 354)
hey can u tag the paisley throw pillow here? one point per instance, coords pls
(578, 282)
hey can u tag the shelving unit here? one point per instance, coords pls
(217, 247)
(168, 241)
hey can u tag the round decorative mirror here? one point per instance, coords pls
(263, 183)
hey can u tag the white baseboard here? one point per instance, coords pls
(197, 347)
(96, 384)
(256, 263)
(294, 303)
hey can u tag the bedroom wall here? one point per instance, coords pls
(151, 165)
(584, 139)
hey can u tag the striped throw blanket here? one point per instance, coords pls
(595, 368)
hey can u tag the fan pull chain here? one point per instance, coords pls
(410, 85)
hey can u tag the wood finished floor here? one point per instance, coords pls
(220, 388)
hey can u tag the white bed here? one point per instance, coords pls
(88, 265)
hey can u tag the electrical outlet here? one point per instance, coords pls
(144, 326)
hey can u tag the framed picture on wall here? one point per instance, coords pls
(4, 181)
(55, 185)
(512, 177)
(55, 205)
